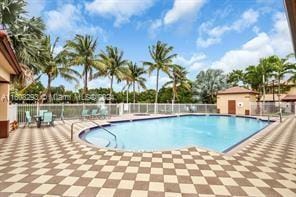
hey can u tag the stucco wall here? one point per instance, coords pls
(5, 69)
(244, 99)
(292, 91)
(4, 101)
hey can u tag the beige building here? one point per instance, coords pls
(236, 100)
(288, 92)
(8, 66)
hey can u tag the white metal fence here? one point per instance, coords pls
(73, 111)
(272, 108)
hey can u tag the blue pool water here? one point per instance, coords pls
(213, 132)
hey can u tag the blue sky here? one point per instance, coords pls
(224, 34)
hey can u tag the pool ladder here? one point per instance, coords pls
(72, 128)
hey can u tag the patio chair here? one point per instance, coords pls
(94, 113)
(29, 119)
(84, 114)
(103, 112)
(48, 118)
(41, 112)
(192, 109)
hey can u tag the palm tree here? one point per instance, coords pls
(115, 66)
(253, 77)
(235, 77)
(55, 64)
(178, 79)
(127, 79)
(208, 83)
(265, 68)
(136, 78)
(26, 35)
(10, 11)
(282, 66)
(81, 51)
(162, 57)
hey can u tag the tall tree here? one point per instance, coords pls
(55, 64)
(10, 11)
(236, 77)
(178, 80)
(26, 35)
(115, 66)
(253, 77)
(127, 79)
(208, 83)
(162, 57)
(282, 66)
(265, 68)
(81, 51)
(136, 78)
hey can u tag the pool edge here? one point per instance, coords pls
(229, 151)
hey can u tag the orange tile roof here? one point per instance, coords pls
(237, 90)
(289, 98)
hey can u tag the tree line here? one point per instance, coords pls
(39, 57)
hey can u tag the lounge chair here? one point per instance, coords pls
(103, 112)
(28, 119)
(84, 114)
(41, 112)
(48, 118)
(192, 109)
(94, 113)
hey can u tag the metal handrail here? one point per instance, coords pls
(72, 127)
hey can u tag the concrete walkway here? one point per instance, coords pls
(45, 162)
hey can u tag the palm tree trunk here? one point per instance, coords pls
(48, 95)
(263, 87)
(111, 86)
(127, 92)
(85, 83)
(174, 93)
(156, 89)
(134, 91)
(279, 87)
(279, 94)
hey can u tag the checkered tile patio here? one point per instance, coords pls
(38, 162)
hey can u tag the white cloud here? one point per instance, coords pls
(182, 9)
(121, 10)
(277, 42)
(155, 25)
(248, 18)
(209, 35)
(249, 54)
(207, 42)
(35, 7)
(194, 63)
(68, 20)
(62, 18)
(281, 37)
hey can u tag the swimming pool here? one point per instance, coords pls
(218, 133)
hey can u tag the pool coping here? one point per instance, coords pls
(228, 152)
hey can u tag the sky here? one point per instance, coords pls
(218, 34)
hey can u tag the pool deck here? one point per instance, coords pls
(39, 162)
